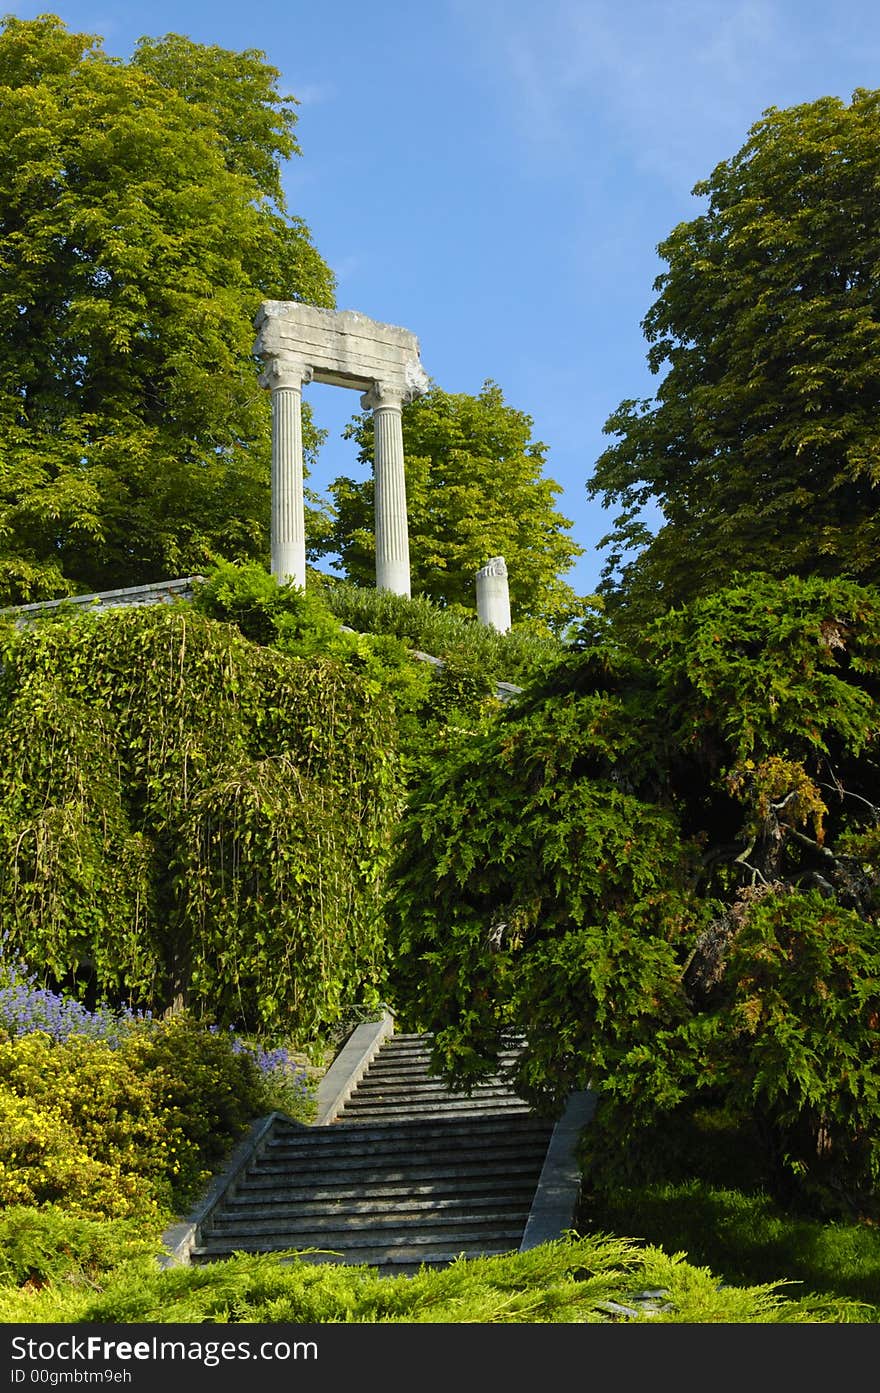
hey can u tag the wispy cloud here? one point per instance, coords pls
(670, 87)
(347, 266)
(314, 93)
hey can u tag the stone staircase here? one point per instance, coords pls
(403, 1172)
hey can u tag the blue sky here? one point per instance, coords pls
(495, 175)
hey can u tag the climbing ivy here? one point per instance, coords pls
(185, 815)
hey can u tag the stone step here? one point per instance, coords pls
(464, 1161)
(419, 1126)
(394, 1202)
(419, 1066)
(415, 1106)
(500, 1094)
(420, 1131)
(434, 1180)
(411, 1069)
(408, 1067)
(371, 1220)
(440, 1237)
(510, 1039)
(399, 1079)
(431, 1107)
(462, 1178)
(406, 1206)
(393, 1048)
(401, 1259)
(395, 1086)
(391, 1058)
(423, 1133)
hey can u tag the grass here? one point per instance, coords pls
(724, 1215)
(746, 1238)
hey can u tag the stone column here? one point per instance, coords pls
(493, 599)
(392, 533)
(285, 378)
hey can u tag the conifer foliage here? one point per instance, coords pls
(663, 866)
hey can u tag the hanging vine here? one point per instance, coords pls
(184, 814)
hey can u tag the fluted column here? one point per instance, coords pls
(392, 532)
(493, 597)
(288, 528)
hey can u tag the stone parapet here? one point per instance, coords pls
(155, 593)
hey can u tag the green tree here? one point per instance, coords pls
(762, 443)
(663, 866)
(141, 223)
(475, 489)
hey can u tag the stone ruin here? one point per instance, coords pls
(301, 343)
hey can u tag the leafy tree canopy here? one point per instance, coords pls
(475, 489)
(663, 865)
(142, 221)
(761, 445)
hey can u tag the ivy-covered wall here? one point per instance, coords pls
(187, 815)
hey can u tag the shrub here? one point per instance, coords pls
(129, 1122)
(428, 627)
(82, 1128)
(268, 613)
(209, 1086)
(660, 865)
(593, 1280)
(26, 1007)
(49, 1244)
(388, 641)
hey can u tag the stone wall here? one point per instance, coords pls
(157, 593)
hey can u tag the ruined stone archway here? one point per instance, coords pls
(301, 343)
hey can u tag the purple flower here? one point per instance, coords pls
(26, 1007)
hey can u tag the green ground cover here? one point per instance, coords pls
(595, 1279)
(718, 1206)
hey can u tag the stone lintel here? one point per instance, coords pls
(340, 347)
(342, 379)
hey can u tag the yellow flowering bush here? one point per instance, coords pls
(130, 1130)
